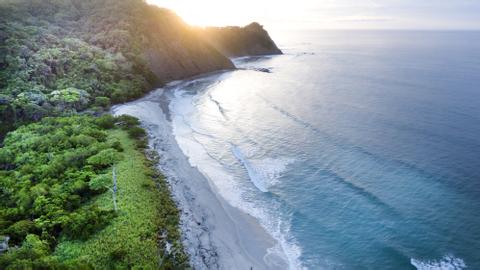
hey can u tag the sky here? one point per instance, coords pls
(331, 14)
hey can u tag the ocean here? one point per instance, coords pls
(354, 149)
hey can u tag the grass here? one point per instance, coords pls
(147, 219)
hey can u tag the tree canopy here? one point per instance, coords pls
(49, 171)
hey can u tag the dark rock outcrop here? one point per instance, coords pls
(234, 41)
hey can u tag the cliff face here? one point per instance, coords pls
(236, 41)
(170, 48)
(173, 50)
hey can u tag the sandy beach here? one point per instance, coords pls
(215, 234)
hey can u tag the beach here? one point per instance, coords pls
(215, 234)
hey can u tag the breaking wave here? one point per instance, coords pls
(448, 262)
(263, 173)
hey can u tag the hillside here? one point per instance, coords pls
(234, 41)
(72, 55)
(69, 55)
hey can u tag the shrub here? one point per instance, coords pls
(100, 182)
(6, 158)
(136, 132)
(84, 222)
(104, 158)
(117, 254)
(117, 145)
(19, 230)
(127, 121)
(103, 102)
(27, 256)
(82, 140)
(70, 98)
(106, 121)
(141, 143)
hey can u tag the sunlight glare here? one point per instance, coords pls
(216, 12)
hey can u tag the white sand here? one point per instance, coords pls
(215, 234)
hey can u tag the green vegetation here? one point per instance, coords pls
(63, 56)
(60, 59)
(56, 206)
(62, 64)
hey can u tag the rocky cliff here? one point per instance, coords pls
(234, 41)
(174, 50)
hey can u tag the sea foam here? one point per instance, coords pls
(448, 262)
(263, 173)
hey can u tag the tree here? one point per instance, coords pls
(69, 98)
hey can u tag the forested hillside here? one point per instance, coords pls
(60, 56)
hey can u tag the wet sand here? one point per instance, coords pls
(215, 234)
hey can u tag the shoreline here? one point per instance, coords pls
(215, 234)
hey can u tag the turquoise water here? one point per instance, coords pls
(358, 150)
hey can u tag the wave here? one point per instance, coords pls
(360, 191)
(448, 262)
(252, 172)
(295, 118)
(183, 108)
(263, 173)
(258, 69)
(239, 61)
(388, 163)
